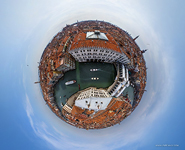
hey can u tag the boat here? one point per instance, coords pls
(70, 82)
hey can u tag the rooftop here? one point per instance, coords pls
(96, 35)
(81, 41)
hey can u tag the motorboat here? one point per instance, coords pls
(70, 82)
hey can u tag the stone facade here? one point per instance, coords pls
(99, 54)
(66, 63)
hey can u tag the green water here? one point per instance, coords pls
(105, 74)
(130, 91)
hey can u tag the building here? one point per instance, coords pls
(93, 99)
(98, 46)
(65, 63)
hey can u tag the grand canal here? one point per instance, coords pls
(91, 74)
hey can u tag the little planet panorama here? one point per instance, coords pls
(92, 74)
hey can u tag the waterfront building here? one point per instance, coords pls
(65, 63)
(96, 46)
(93, 99)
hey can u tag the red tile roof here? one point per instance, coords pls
(81, 41)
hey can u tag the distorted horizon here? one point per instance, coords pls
(26, 29)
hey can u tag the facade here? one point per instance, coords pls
(67, 108)
(100, 54)
(98, 48)
(66, 63)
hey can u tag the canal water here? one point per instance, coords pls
(130, 92)
(89, 74)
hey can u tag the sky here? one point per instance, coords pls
(27, 26)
